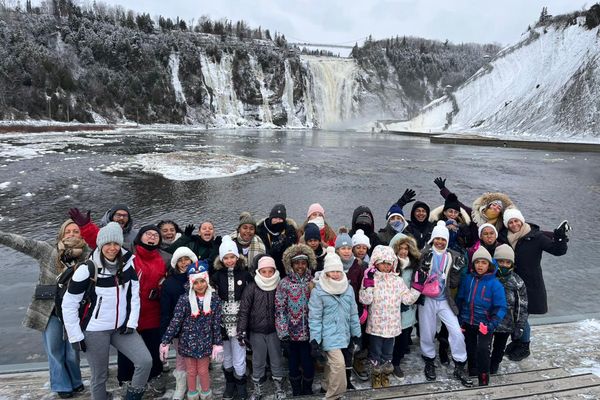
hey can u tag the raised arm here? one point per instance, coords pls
(36, 249)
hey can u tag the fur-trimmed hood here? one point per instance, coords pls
(241, 263)
(400, 239)
(293, 251)
(480, 204)
(437, 214)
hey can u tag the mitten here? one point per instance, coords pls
(562, 230)
(483, 328)
(217, 354)
(441, 183)
(78, 217)
(315, 350)
(354, 344)
(364, 315)
(163, 350)
(285, 344)
(518, 332)
(419, 281)
(368, 279)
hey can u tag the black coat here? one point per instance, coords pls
(219, 280)
(528, 258)
(421, 231)
(369, 230)
(172, 288)
(257, 310)
(275, 245)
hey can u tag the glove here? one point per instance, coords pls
(517, 334)
(419, 282)
(315, 350)
(407, 197)
(242, 339)
(426, 261)
(285, 344)
(562, 230)
(441, 183)
(78, 217)
(79, 346)
(354, 345)
(483, 328)
(189, 230)
(163, 350)
(368, 279)
(125, 330)
(217, 354)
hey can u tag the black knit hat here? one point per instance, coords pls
(452, 202)
(311, 231)
(278, 211)
(144, 229)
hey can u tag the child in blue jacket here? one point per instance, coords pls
(482, 304)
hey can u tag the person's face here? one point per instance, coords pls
(384, 267)
(72, 231)
(206, 231)
(300, 266)
(345, 252)
(121, 217)
(515, 225)
(183, 263)
(335, 275)
(150, 237)
(451, 213)
(440, 244)
(315, 215)
(200, 286)
(313, 243)
(230, 260)
(481, 266)
(395, 218)
(110, 250)
(247, 232)
(420, 214)
(266, 272)
(168, 232)
(276, 220)
(496, 207)
(403, 251)
(505, 263)
(360, 251)
(488, 236)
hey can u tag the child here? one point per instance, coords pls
(333, 322)
(405, 248)
(312, 238)
(229, 280)
(384, 291)
(256, 324)
(316, 215)
(361, 245)
(291, 316)
(482, 306)
(172, 289)
(197, 322)
(516, 302)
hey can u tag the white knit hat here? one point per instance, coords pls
(333, 262)
(360, 238)
(482, 253)
(439, 231)
(182, 252)
(111, 233)
(228, 246)
(511, 213)
(486, 225)
(504, 252)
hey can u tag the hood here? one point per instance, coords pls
(359, 210)
(437, 214)
(481, 203)
(107, 217)
(401, 238)
(288, 221)
(418, 204)
(296, 249)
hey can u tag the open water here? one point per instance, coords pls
(191, 176)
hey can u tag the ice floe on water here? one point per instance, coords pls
(189, 166)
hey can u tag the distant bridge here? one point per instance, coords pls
(338, 46)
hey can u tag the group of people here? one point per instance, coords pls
(343, 301)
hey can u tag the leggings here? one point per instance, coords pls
(197, 367)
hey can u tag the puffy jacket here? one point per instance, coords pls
(516, 303)
(333, 319)
(385, 300)
(257, 310)
(114, 303)
(151, 270)
(481, 298)
(173, 287)
(275, 245)
(224, 278)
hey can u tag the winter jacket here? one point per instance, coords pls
(151, 270)
(481, 298)
(173, 287)
(384, 301)
(409, 311)
(39, 311)
(255, 247)
(421, 231)
(89, 231)
(516, 303)
(386, 234)
(463, 237)
(528, 258)
(369, 230)
(257, 310)
(332, 319)
(204, 250)
(115, 301)
(276, 244)
(481, 203)
(471, 250)
(197, 335)
(355, 276)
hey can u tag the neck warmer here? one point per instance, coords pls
(333, 287)
(347, 264)
(242, 242)
(403, 263)
(267, 284)
(398, 226)
(275, 229)
(513, 238)
(491, 215)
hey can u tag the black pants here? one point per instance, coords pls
(125, 367)
(299, 357)
(401, 345)
(500, 339)
(478, 349)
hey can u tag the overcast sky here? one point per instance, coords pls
(345, 21)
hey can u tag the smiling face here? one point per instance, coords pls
(230, 260)
(451, 213)
(150, 237)
(420, 214)
(121, 217)
(335, 275)
(514, 225)
(300, 266)
(440, 244)
(168, 232)
(384, 267)
(403, 251)
(200, 286)
(72, 231)
(206, 231)
(183, 263)
(246, 232)
(360, 251)
(110, 250)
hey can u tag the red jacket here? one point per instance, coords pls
(151, 270)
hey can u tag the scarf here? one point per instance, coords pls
(333, 287)
(347, 264)
(68, 250)
(267, 284)
(513, 238)
(403, 263)
(491, 215)
(397, 226)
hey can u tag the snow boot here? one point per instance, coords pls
(398, 373)
(385, 379)
(296, 384)
(429, 368)
(193, 395)
(180, 384)
(511, 347)
(349, 385)
(387, 368)
(134, 393)
(461, 375)
(376, 377)
(240, 386)
(229, 391)
(307, 386)
(258, 390)
(484, 379)
(206, 395)
(494, 366)
(279, 389)
(360, 369)
(520, 353)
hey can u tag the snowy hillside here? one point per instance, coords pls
(548, 84)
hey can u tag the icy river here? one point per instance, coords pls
(192, 176)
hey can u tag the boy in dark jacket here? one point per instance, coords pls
(277, 232)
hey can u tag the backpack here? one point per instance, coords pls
(62, 284)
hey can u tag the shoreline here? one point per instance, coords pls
(26, 128)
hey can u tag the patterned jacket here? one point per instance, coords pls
(230, 284)
(516, 302)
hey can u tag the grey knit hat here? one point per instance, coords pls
(504, 252)
(112, 232)
(246, 218)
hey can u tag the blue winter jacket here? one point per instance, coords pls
(481, 298)
(332, 319)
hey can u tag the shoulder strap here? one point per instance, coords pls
(93, 270)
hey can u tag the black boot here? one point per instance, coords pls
(443, 352)
(240, 386)
(430, 368)
(134, 393)
(484, 379)
(511, 347)
(296, 384)
(307, 386)
(494, 366)
(349, 385)
(461, 375)
(229, 391)
(521, 352)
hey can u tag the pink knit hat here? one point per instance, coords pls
(316, 207)
(266, 262)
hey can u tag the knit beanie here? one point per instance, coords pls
(452, 202)
(360, 238)
(511, 213)
(246, 218)
(482, 253)
(144, 229)
(343, 240)
(504, 252)
(395, 209)
(183, 252)
(332, 262)
(266, 262)
(278, 211)
(316, 207)
(486, 225)
(311, 231)
(228, 246)
(439, 231)
(111, 232)
(383, 254)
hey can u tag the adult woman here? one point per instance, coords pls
(69, 251)
(115, 307)
(205, 244)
